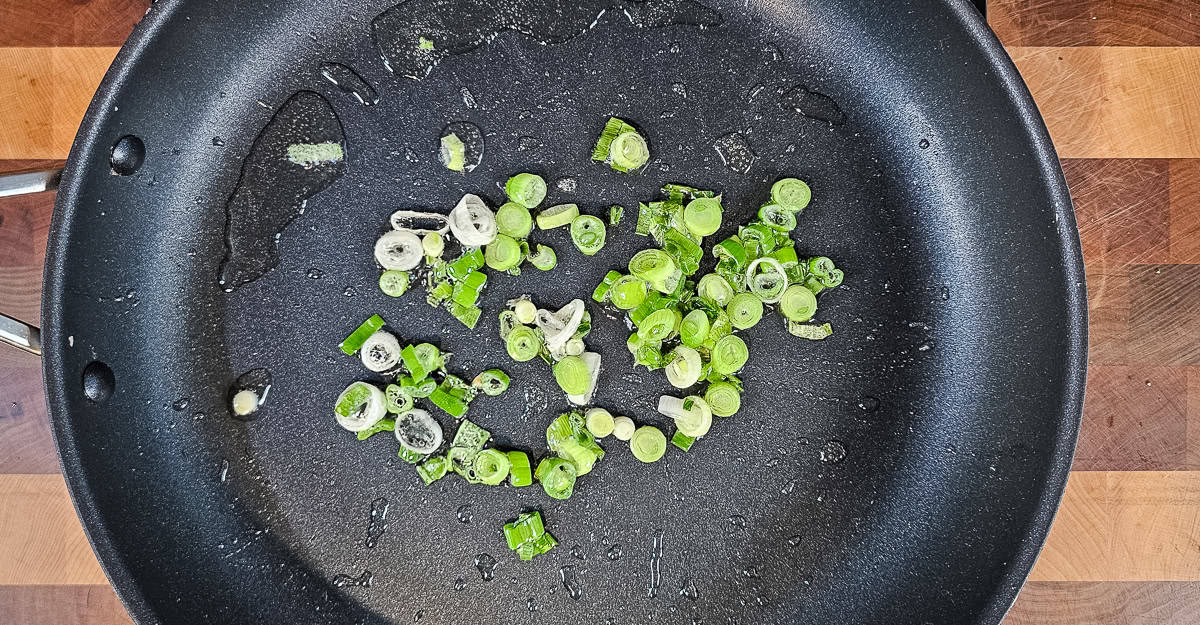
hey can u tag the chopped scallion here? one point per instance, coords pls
(492, 466)
(791, 193)
(729, 355)
(588, 234)
(492, 382)
(648, 443)
(544, 258)
(557, 215)
(351, 344)
(745, 310)
(526, 189)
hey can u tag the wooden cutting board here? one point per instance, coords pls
(1119, 84)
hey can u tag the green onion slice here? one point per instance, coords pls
(628, 292)
(380, 352)
(454, 152)
(729, 355)
(778, 217)
(418, 432)
(588, 234)
(600, 294)
(399, 249)
(444, 399)
(492, 382)
(351, 344)
(623, 428)
(557, 215)
(503, 254)
(592, 361)
(682, 441)
(384, 425)
(360, 406)
(514, 220)
(599, 422)
(648, 443)
(472, 222)
(523, 343)
(811, 332)
(694, 328)
(715, 289)
(572, 375)
(798, 303)
(393, 283)
(768, 285)
(519, 473)
(433, 469)
(433, 244)
(733, 250)
(723, 399)
(745, 310)
(652, 265)
(420, 222)
(398, 401)
(658, 325)
(821, 266)
(757, 235)
(691, 414)
(526, 189)
(628, 152)
(683, 366)
(702, 216)
(557, 477)
(544, 258)
(791, 193)
(685, 251)
(615, 213)
(832, 279)
(492, 466)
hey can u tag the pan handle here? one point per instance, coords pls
(13, 331)
(20, 335)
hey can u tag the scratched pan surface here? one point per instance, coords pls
(953, 382)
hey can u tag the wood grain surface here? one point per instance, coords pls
(1118, 82)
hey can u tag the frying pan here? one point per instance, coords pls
(905, 470)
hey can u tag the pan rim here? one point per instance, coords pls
(977, 34)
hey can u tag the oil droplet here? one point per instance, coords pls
(735, 152)
(224, 469)
(813, 105)
(248, 393)
(218, 142)
(614, 553)
(577, 552)
(689, 591)
(868, 404)
(924, 144)
(342, 580)
(486, 565)
(737, 521)
(833, 452)
(315, 274)
(472, 138)
(567, 184)
(348, 80)
(794, 541)
(196, 416)
(463, 514)
(468, 98)
(531, 604)
(788, 488)
(272, 189)
(459, 584)
(570, 581)
(679, 89)
(350, 291)
(180, 404)
(377, 522)
(656, 554)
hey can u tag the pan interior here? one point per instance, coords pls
(950, 385)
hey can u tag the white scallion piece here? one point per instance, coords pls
(623, 428)
(360, 407)
(472, 222)
(418, 431)
(380, 352)
(420, 222)
(399, 249)
(683, 370)
(592, 360)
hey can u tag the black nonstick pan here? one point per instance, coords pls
(905, 470)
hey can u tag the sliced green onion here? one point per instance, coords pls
(682, 441)
(691, 414)
(715, 289)
(702, 216)
(544, 258)
(360, 406)
(471, 260)
(470, 436)
(588, 234)
(523, 343)
(384, 425)
(433, 244)
(599, 422)
(791, 193)
(557, 477)
(623, 428)
(492, 382)
(519, 473)
(503, 254)
(429, 356)
(798, 303)
(649, 355)
(650, 219)
(683, 366)
(575, 347)
(768, 285)
(832, 279)
(433, 469)
(467, 315)
(472, 222)
(648, 443)
(351, 344)
(514, 220)
(658, 325)
(452, 405)
(600, 294)
(811, 332)
(410, 456)
(820, 266)
(454, 152)
(615, 213)
(694, 328)
(398, 401)
(628, 152)
(745, 310)
(686, 252)
(778, 217)
(729, 355)
(527, 536)
(393, 283)
(628, 292)
(525, 310)
(557, 216)
(572, 375)
(758, 236)
(723, 399)
(526, 189)
(813, 283)
(418, 432)
(380, 352)
(492, 466)
(466, 291)
(652, 265)
(410, 387)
